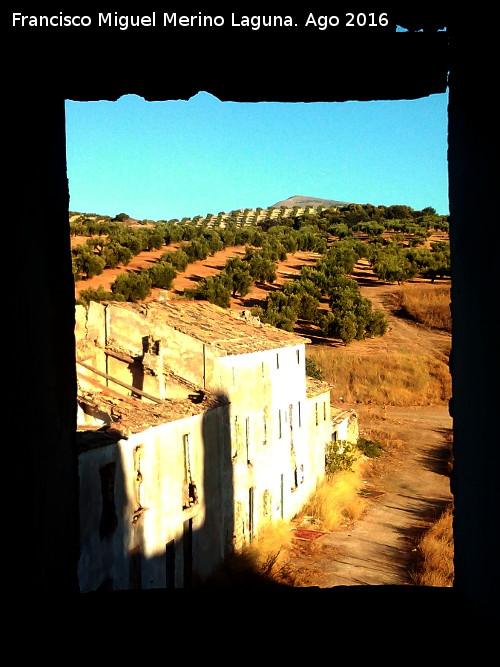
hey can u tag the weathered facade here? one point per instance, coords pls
(208, 429)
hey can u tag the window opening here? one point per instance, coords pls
(236, 444)
(251, 513)
(139, 508)
(247, 438)
(189, 491)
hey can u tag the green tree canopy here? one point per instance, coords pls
(132, 286)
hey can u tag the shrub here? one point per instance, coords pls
(87, 262)
(155, 240)
(215, 289)
(313, 369)
(352, 316)
(121, 217)
(262, 267)
(162, 275)
(339, 455)
(376, 324)
(370, 448)
(280, 311)
(392, 265)
(241, 280)
(132, 286)
(178, 259)
(95, 294)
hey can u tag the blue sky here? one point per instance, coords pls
(163, 160)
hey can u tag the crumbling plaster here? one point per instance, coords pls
(256, 449)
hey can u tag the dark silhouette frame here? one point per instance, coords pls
(308, 67)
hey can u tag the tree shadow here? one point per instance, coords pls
(424, 513)
(438, 458)
(216, 267)
(310, 331)
(267, 287)
(194, 277)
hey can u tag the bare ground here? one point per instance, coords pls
(407, 488)
(407, 491)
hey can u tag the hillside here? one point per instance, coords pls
(302, 202)
(398, 383)
(296, 205)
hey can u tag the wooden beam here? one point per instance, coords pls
(122, 384)
(120, 356)
(89, 427)
(112, 392)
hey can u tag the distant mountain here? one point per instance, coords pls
(302, 202)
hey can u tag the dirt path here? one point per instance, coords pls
(408, 488)
(409, 492)
(403, 333)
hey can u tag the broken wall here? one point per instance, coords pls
(135, 500)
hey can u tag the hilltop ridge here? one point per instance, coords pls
(302, 201)
(296, 205)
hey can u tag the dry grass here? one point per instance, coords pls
(385, 435)
(272, 542)
(387, 378)
(337, 500)
(260, 564)
(436, 552)
(266, 561)
(430, 307)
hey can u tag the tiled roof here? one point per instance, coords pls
(235, 332)
(339, 414)
(315, 387)
(128, 415)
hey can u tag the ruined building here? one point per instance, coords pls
(196, 427)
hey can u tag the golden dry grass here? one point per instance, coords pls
(265, 561)
(337, 500)
(436, 552)
(273, 540)
(430, 307)
(387, 378)
(261, 563)
(383, 434)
